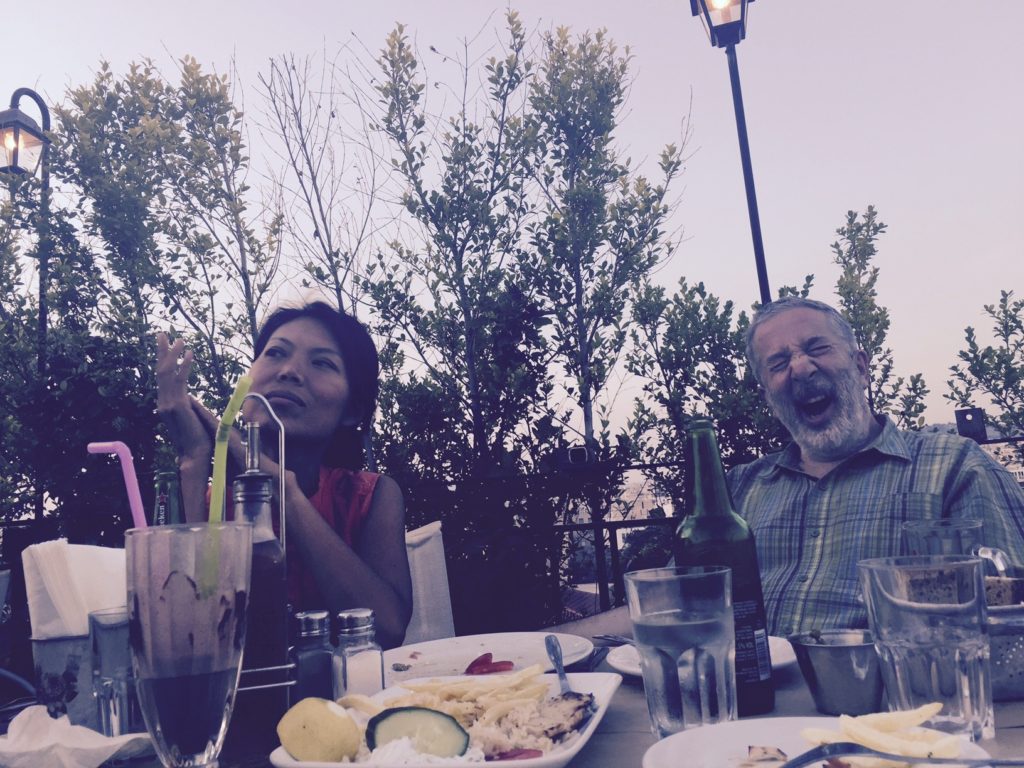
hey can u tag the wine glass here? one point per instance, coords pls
(188, 588)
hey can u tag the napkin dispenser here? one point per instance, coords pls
(64, 583)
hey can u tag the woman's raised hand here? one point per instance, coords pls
(176, 408)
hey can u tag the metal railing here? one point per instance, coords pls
(616, 596)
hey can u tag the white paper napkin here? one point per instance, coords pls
(64, 582)
(36, 740)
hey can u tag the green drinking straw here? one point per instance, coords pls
(220, 448)
(211, 553)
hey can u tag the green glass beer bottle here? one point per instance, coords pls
(167, 503)
(713, 533)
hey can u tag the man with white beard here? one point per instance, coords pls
(842, 489)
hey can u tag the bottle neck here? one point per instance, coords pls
(708, 491)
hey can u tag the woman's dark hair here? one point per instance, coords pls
(362, 368)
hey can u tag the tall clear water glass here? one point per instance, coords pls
(946, 536)
(113, 684)
(188, 588)
(928, 618)
(683, 627)
(953, 536)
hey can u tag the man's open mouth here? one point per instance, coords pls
(815, 408)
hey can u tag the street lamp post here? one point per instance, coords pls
(25, 148)
(726, 24)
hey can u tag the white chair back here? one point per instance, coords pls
(431, 601)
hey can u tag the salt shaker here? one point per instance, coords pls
(312, 655)
(358, 659)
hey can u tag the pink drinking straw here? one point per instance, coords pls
(131, 483)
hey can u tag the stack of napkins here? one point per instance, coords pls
(64, 582)
(35, 740)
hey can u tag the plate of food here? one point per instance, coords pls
(626, 659)
(769, 741)
(450, 721)
(479, 654)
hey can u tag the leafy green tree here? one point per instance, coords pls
(161, 169)
(688, 349)
(856, 287)
(148, 203)
(601, 227)
(456, 302)
(18, 481)
(994, 372)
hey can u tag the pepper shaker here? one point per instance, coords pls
(313, 655)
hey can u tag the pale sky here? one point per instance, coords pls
(915, 107)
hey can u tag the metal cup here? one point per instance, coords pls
(841, 670)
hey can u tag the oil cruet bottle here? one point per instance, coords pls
(257, 712)
(714, 534)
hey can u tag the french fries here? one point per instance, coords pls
(898, 733)
(485, 699)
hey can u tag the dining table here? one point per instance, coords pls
(624, 734)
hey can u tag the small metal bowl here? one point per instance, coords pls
(841, 670)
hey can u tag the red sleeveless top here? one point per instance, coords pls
(343, 499)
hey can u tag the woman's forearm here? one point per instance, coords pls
(343, 578)
(194, 474)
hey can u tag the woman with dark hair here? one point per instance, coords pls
(318, 368)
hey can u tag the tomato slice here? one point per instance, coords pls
(496, 666)
(480, 661)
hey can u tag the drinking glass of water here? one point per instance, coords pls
(953, 536)
(113, 684)
(683, 628)
(188, 588)
(928, 619)
(945, 536)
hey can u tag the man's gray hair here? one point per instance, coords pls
(785, 304)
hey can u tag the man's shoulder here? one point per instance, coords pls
(933, 440)
(955, 452)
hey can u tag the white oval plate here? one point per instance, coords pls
(626, 659)
(451, 655)
(725, 745)
(602, 684)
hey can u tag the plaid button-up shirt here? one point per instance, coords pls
(811, 533)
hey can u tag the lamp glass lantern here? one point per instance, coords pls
(22, 141)
(724, 20)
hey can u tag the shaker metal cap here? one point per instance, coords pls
(355, 619)
(313, 623)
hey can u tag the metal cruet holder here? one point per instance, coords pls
(286, 668)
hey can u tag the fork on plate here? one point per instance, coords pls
(822, 753)
(615, 639)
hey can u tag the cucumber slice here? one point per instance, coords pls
(431, 732)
